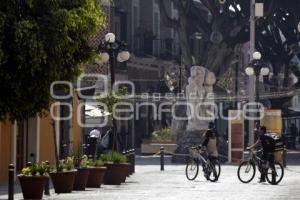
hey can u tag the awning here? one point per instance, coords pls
(94, 112)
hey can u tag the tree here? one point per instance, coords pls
(225, 24)
(181, 25)
(108, 103)
(42, 41)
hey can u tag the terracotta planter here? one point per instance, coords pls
(63, 181)
(33, 186)
(116, 173)
(126, 172)
(81, 179)
(96, 177)
(77, 162)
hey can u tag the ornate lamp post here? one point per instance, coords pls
(257, 67)
(113, 51)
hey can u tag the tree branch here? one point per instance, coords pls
(188, 6)
(211, 7)
(168, 21)
(199, 22)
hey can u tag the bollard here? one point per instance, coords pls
(133, 160)
(11, 180)
(28, 164)
(162, 158)
(46, 189)
(284, 157)
(125, 153)
(128, 156)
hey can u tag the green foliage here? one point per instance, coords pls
(66, 165)
(164, 134)
(80, 160)
(84, 162)
(95, 163)
(111, 99)
(36, 169)
(114, 157)
(42, 41)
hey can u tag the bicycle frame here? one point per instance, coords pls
(257, 161)
(196, 154)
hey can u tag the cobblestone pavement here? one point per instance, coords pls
(149, 183)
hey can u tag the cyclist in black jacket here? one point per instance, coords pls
(268, 147)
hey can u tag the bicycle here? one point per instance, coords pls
(211, 167)
(247, 169)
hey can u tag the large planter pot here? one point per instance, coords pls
(126, 172)
(81, 179)
(63, 181)
(116, 173)
(33, 186)
(96, 177)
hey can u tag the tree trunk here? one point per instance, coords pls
(184, 42)
(218, 58)
(55, 146)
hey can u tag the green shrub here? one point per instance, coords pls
(114, 157)
(164, 134)
(66, 165)
(95, 163)
(36, 169)
(84, 162)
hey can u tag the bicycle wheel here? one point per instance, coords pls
(275, 176)
(192, 169)
(218, 167)
(246, 171)
(213, 171)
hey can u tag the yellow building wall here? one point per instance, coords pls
(46, 135)
(6, 131)
(46, 140)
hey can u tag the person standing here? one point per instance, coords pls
(94, 136)
(268, 148)
(212, 127)
(210, 143)
(294, 133)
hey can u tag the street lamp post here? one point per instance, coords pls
(113, 51)
(257, 68)
(180, 80)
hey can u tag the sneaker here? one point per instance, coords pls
(262, 180)
(206, 176)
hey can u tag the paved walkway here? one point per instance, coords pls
(149, 183)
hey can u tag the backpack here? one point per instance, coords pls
(268, 143)
(273, 143)
(279, 145)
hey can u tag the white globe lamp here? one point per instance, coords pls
(110, 37)
(123, 56)
(104, 57)
(264, 71)
(256, 55)
(249, 71)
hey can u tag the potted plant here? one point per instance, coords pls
(64, 175)
(97, 172)
(33, 179)
(117, 168)
(82, 174)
